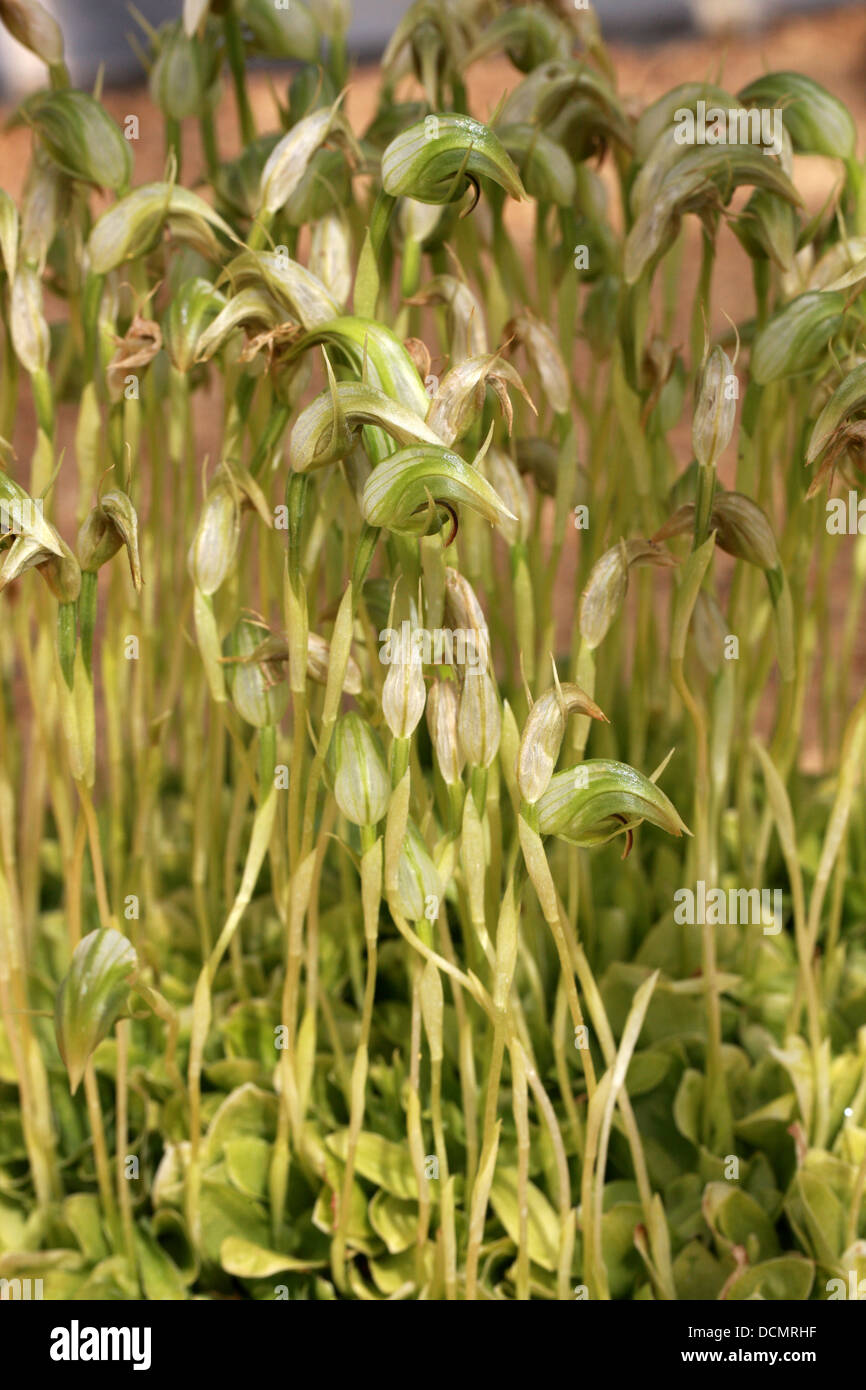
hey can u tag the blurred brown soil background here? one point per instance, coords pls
(830, 48)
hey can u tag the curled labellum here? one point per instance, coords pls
(591, 803)
(543, 734)
(434, 160)
(403, 490)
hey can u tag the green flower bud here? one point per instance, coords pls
(362, 786)
(30, 336)
(404, 692)
(92, 996)
(479, 719)
(33, 26)
(716, 410)
(184, 72)
(505, 478)
(417, 879)
(311, 87)
(327, 429)
(81, 138)
(8, 234)
(281, 33)
(291, 285)
(434, 160)
(545, 167)
(442, 707)
(331, 256)
(529, 35)
(214, 548)
(540, 460)
(464, 612)
(591, 803)
(543, 734)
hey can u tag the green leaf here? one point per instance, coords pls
(543, 1223)
(379, 1160)
(246, 1260)
(788, 1279)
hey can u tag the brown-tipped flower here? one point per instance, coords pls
(461, 394)
(404, 693)
(479, 719)
(543, 734)
(140, 344)
(58, 566)
(110, 525)
(442, 707)
(607, 584)
(744, 530)
(543, 352)
(362, 786)
(716, 410)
